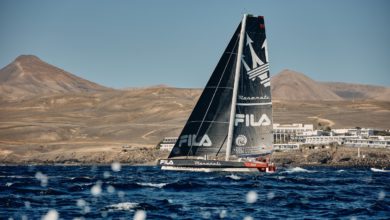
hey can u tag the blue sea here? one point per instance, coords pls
(137, 192)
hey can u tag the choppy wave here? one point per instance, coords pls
(122, 206)
(294, 193)
(233, 177)
(380, 170)
(157, 185)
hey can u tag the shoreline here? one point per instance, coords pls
(335, 166)
(337, 156)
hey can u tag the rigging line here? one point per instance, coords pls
(222, 122)
(215, 91)
(223, 142)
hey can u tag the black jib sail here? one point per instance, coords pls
(214, 127)
(206, 130)
(252, 134)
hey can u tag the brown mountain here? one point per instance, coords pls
(291, 85)
(27, 76)
(350, 91)
(68, 124)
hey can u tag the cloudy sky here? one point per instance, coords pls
(141, 43)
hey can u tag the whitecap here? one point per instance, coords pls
(123, 206)
(270, 195)
(340, 171)
(234, 177)
(157, 185)
(81, 177)
(379, 170)
(8, 184)
(14, 176)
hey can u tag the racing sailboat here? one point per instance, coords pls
(230, 127)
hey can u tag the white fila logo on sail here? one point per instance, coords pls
(190, 140)
(249, 120)
(259, 68)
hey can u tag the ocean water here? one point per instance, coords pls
(136, 192)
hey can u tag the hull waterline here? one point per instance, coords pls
(215, 166)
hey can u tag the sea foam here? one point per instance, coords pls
(156, 185)
(299, 170)
(123, 206)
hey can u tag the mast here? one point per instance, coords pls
(235, 88)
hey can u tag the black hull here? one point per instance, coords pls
(215, 165)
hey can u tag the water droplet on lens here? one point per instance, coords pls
(81, 203)
(87, 209)
(110, 189)
(116, 167)
(251, 197)
(41, 177)
(104, 214)
(140, 215)
(27, 204)
(96, 190)
(381, 195)
(223, 214)
(52, 214)
(248, 218)
(106, 174)
(121, 194)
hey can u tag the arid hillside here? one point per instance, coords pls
(29, 76)
(65, 116)
(291, 85)
(349, 91)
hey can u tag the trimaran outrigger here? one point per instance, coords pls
(230, 128)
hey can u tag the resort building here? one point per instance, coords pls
(168, 143)
(373, 141)
(286, 147)
(292, 136)
(328, 139)
(290, 132)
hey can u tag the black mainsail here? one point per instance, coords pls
(206, 130)
(233, 116)
(252, 134)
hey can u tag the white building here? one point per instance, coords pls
(290, 132)
(168, 143)
(363, 132)
(373, 141)
(328, 139)
(286, 147)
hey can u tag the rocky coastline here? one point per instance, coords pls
(338, 156)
